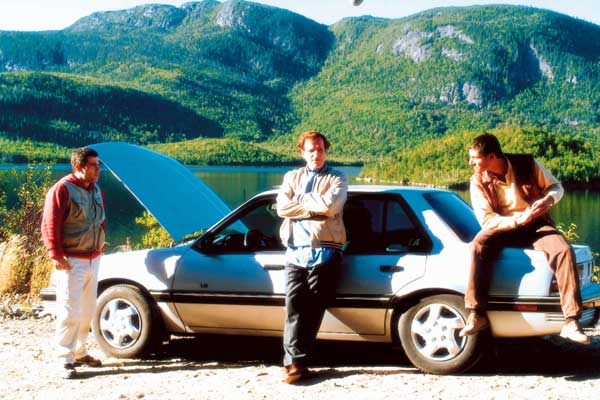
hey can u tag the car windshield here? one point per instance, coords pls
(254, 228)
(456, 213)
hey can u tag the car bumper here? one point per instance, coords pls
(523, 324)
(520, 317)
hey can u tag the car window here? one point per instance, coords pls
(456, 212)
(396, 218)
(264, 219)
(401, 234)
(363, 220)
(381, 225)
(254, 229)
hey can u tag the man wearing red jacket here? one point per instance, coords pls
(73, 231)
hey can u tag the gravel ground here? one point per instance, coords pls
(211, 367)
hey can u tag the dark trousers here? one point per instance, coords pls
(487, 245)
(308, 293)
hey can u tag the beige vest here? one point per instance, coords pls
(82, 229)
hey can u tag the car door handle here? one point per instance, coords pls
(391, 268)
(274, 267)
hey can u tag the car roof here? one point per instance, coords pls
(376, 189)
(391, 188)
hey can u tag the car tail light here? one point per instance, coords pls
(525, 307)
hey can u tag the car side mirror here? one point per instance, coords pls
(205, 243)
(252, 239)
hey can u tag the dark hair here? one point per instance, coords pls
(80, 156)
(487, 144)
(312, 135)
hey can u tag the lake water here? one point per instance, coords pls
(237, 184)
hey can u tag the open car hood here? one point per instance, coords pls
(179, 200)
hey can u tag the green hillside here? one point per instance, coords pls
(221, 152)
(200, 151)
(392, 84)
(229, 63)
(250, 77)
(444, 161)
(73, 110)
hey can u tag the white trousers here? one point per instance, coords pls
(75, 303)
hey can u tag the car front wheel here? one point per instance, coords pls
(429, 331)
(125, 323)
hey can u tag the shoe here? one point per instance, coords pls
(69, 371)
(89, 361)
(572, 331)
(475, 323)
(293, 373)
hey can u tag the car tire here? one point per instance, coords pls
(428, 332)
(126, 323)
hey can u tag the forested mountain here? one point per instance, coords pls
(396, 83)
(253, 73)
(231, 64)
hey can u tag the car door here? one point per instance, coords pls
(233, 278)
(386, 249)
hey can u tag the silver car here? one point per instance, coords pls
(405, 270)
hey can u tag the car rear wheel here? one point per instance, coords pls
(126, 324)
(429, 331)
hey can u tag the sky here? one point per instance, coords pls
(38, 15)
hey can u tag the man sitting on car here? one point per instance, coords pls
(511, 195)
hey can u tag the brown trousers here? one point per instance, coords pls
(487, 245)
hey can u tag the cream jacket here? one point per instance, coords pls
(322, 207)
